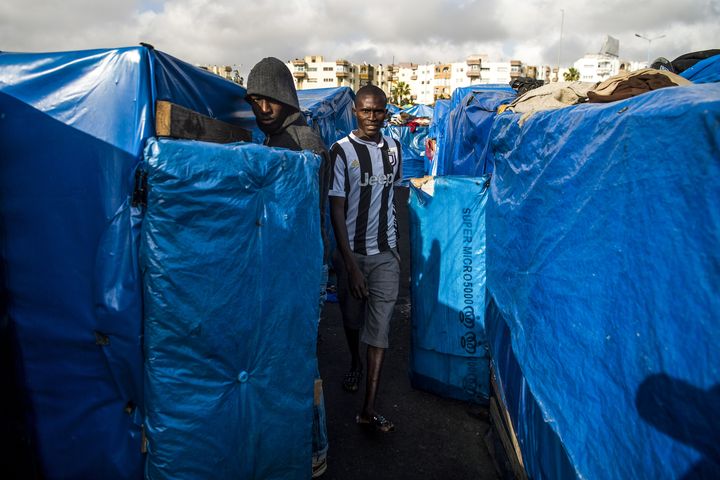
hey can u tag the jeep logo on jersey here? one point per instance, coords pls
(385, 180)
(469, 342)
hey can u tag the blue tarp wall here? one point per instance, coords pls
(220, 239)
(72, 132)
(602, 272)
(449, 350)
(442, 108)
(413, 148)
(465, 147)
(329, 112)
(458, 123)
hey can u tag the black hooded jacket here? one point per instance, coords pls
(294, 134)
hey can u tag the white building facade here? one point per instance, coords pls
(427, 82)
(601, 66)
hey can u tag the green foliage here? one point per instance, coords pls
(400, 94)
(571, 75)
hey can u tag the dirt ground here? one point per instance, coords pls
(434, 438)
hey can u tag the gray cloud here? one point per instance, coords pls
(241, 32)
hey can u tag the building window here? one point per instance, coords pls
(312, 69)
(312, 80)
(327, 69)
(328, 80)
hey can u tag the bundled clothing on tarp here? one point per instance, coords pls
(688, 60)
(229, 368)
(630, 84)
(550, 97)
(524, 84)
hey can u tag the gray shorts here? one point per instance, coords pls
(372, 314)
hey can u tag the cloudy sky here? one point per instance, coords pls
(240, 32)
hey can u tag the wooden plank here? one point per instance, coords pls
(506, 416)
(515, 462)
(317, 393)
(176, 121)
(506, 423)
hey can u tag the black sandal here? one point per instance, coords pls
(377, 422)
(351, 380)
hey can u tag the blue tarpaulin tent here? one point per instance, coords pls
(71, 135)
(420, 111)
(412, 143)
(229, 368)
(602, 231)
(449, 351)
(329, 111)
(465, 146)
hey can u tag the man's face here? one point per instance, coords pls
(269, 114)
(370, 111)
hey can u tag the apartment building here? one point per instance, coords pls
(313, 71)
(601, 66)
(228, 72)
(428, 82)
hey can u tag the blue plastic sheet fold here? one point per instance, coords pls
(602, 233)
(232, 260)
(329, 111)
(464, 148)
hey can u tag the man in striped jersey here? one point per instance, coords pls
(365, 167)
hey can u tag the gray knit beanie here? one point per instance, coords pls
(271, 78)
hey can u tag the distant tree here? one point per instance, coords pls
(571, 75)
(400, 94)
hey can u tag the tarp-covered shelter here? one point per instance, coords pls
(464, 148)
(229, 306)
(412, 143)
(72, 133)
(329, 111)
(602, 234)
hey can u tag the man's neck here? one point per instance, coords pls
(363, 136)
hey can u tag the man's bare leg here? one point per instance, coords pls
(375, 357)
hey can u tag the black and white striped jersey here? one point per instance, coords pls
(364, 172)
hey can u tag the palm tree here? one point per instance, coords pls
(571, 75)
(400, 94)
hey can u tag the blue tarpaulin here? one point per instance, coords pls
(72, 130)
(705, 71)
(459, 94)
(602, 231)
(442, 108)
(449, 353)
(412, 144)
(465, 147)
(329, 111)
(230, 369)
(420, 110)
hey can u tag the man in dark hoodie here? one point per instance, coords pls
(274, 101)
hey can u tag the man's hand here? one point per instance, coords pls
(356, 280)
